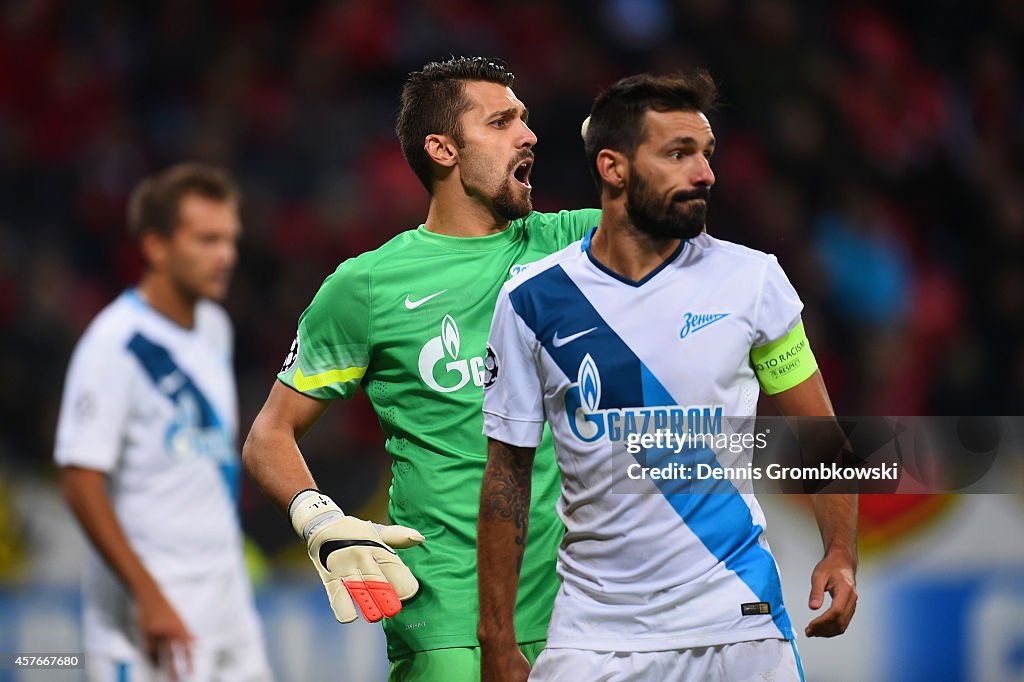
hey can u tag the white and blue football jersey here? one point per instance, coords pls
(153, 405)
(648, 564)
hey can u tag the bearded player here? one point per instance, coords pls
(408, 323)
(659, 581)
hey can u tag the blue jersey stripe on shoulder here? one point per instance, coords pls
(585, 243)
(195, 411)
(169, 379)
(555, 309)
(131, 294)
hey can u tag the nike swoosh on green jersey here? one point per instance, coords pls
(412, 305)
(334, 376)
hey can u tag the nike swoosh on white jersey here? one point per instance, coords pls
(559, 342)
(412, 305)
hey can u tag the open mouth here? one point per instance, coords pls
(522, 172)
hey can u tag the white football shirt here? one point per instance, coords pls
(153, 405)
(646, 565)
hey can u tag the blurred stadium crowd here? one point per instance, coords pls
(876, 148)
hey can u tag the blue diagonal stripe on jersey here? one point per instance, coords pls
(549, 302)
(161, 368)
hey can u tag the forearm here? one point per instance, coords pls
(823, 440)
(837, 522)
(86, 494)
(274, 461)
(271, 452)
(501, 538)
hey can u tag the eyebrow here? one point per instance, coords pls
(510, 112)
(688, 141)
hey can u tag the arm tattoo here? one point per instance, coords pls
(507, 491)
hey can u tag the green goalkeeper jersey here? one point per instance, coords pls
(409, 323)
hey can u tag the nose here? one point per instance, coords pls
(528, 138)
(229, 253)
(704, 176)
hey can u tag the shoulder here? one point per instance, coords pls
(712, 246)
(555, 230)
(214, 322)
(536, 273)
(588, 217)
(354, 273)
(115, 324)
(102, 348)
(212, 313)
(397, 246)
(722, 253)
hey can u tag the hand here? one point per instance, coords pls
(355, 558)
(503, 664)
(164, 633)
(833, 574)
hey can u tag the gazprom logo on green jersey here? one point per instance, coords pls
(517, 268)
(590, 423)
(439, 362)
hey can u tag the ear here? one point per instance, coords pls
(154, 247)
(613, 167)
(441, 149)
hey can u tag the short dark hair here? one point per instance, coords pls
(432, 100)
(617, 117)
(155, 202)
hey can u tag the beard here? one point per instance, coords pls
(681, 218)
(510, 200)
(511, 203)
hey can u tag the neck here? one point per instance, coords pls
(167, 299)
(456, 214)
(620, 247)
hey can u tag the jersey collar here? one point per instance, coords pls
(133, 296)
(491, 242)
(585, 248)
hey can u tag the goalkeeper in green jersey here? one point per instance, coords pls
(409, 322)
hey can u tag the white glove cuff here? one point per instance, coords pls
(311, 509)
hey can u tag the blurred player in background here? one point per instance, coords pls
(147, 445)
(408, 322)
(649, 315)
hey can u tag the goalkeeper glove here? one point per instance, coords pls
(354, 558)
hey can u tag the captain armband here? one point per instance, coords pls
(784, 363)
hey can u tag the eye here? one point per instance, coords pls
(500, 123)
(676, 155)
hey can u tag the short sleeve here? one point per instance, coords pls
(95, 404)
(513, 392)
(778, 306)
(330, 353)
(781, 354)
